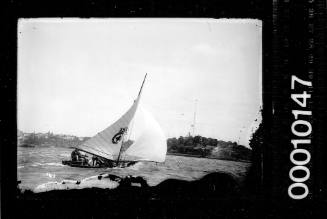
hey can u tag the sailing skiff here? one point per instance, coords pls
(111, 148)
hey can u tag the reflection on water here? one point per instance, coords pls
(40, 165)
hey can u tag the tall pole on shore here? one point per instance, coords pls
(194, 117)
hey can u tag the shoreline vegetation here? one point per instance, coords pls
(199, 146)
(208, 157)
(189, 146)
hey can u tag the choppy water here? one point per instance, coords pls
(40, 165)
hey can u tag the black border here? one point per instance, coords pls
(280, 21)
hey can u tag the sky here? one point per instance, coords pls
(78, 76)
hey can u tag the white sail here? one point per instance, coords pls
(108, 142)
(151, 145)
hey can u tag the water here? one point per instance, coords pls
(41, 165)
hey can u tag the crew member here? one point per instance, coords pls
(75, 155)
(95, 160)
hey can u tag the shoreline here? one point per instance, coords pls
(208, 157)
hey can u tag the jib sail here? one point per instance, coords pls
(151, 145)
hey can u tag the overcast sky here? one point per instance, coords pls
(77, 76)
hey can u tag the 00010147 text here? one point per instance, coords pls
(301, 141)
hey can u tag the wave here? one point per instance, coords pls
(47, 164)
(19, 167)
(90, 182)
(65, 155)
(90, 178)
(36, 164)
(51, 175)
(136, 166)
(55, 164)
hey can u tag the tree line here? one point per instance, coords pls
(50, 139)
(207, 147)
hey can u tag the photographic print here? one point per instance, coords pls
(143, 103)
(164, 110)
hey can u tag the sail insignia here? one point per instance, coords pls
(118, 136)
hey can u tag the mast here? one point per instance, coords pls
(121, 147)
(142, 85)
(194, 116)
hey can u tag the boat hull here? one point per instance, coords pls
(80, 164)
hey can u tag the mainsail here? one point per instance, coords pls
(107, 143)
(151, 145)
